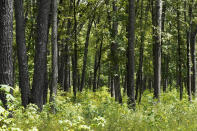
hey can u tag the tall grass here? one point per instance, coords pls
(98, 111)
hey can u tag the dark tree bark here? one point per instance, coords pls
(95, 70)
(157, 49)
(98, 77)
(142, 29)
(115, 57)
(165, 73)
(54, 83)
(67, 69)
(143, 87)
(86, 53)
(41, 53)
(112, 90)
(74, 57)
(193, 57)
(131, 60)
(67, 52)
(165, 61)
(188, 50)
(180, 85)
(6, 38)
(97, 63)
(22, 53)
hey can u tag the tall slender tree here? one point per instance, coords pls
(54, 83)
(188, 49)
(86, 52)
(74, 56)
(193, 56)
(130, 53)
(157, 48)
(40, 53)
(179, 52)
(22, 52)
(114, 56)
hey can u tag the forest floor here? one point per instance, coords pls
(98, 111)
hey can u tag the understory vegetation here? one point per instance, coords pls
(98, 111)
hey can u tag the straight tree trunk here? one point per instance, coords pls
(41, 53)
(6, 38)
(131, 60)
(54, 83)
(97, 65)
(142, 30)
(164, 55)
(67, 69)
(74, 57)
(95, 70)
(188, 51)
(157, 49)
(24, 83)
(179, 54)
(115, 57)
(46, 82)
(193, 57)
(86, 53)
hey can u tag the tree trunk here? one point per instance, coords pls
(6, 36)
(74, 57)
(179, 54)
(131, 60)
(41, 53)
(67, 53)
(193, 57)
(67, 69)
(142, 30)
(95, 71)
(22, 53)
(115, 57)
(157, 49)
(164, 55)
(188, 51)
(86, 53)
(54, 83)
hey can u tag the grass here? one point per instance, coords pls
(98, 111)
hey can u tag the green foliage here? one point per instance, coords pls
(98, 111)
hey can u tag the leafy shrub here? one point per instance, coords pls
(98, 111)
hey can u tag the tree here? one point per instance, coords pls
(22, 52)
(54, 83)
(114, 57)
(193, 56)
(188, 50)
(131, 39)
(74, 56)
(6, 36)
(157, 48)
(179, 53)
(40, 53)
(86, 53)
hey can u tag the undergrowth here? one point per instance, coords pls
(98, 111)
